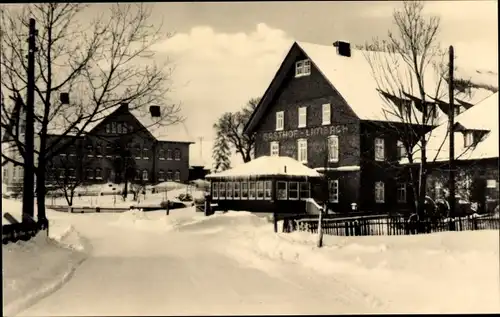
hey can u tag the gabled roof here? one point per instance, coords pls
(353, 78)
(157, 127)
(481, 117)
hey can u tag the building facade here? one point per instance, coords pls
(122, 141)
(321, 109)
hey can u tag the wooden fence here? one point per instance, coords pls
(386, 225)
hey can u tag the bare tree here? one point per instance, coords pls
(231, 125)
(410, 70)
(101, 64)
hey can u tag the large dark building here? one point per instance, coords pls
(123, 140)
(324, 109)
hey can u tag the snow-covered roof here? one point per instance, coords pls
(484, 117)
(269, 166)
(359, 84)
(159, 128)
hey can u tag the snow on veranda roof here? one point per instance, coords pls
(268, 166)
(481, 117)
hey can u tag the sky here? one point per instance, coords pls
(227, 52)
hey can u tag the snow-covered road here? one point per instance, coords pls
(158, 272)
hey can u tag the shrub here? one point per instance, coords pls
(185, 197)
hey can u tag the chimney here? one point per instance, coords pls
(124, 106)
(343, 48)
(155, 111)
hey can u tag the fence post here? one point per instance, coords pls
(275, 221)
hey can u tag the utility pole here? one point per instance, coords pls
(451, 118)
(29, 175)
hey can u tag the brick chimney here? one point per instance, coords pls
(343, 48)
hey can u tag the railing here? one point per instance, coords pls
(387, 225)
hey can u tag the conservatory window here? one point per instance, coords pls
(260, 190)
(251, 190)
(267, 189)
(215, 190)
(229, 190)
(305, 190)
(281, 190)
(237, 193)
(244, 190)
(293, 190)
(379, 192)
(333, 189)
(401, 194)
(222, 190)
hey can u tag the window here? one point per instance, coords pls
(145, 175)
(138, 152)
(62, 154)
(125, 129)
(438, 190)
(401, 194)
(293, 190)
(303, 68)
(20, 172)
(468, 138)
(401, 149)
(222, 190)
(61, 172)
(457, 110)
(379, 149)
(90, 173)
(251, 190)
(98, 150)
(177, 154)
(326, 114)
(260, 190)
(244, 190)
(333, 148)
(137, 175)
(162, 155)
(169, 154)
(267, 189)
(229, 190)
(145, 154)
(302, 117)
(89, 150)
(280, 120)
(305, 190)
(491, 183)
(177, 175)
(72, 150)
(237, 193)
(333, 191)
(281, 190)
(275, 148)
(108, 151)
(215, 190)
(98, 173)
(113, 127)
(379, 192)
(169, 175)
(161, 175)
(302, 150)
(71, 173)
(108, 128)
(119, 128)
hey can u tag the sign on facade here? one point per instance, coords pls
(304, 133)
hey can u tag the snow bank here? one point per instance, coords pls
(36, 268)
(435, 273)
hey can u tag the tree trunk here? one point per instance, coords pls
(320, 228)
(125, 189)
(40, 193)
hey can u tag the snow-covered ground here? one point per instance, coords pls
(233, 263)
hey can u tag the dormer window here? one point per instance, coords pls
(468, 138)
(280, 120)
(406, 106)
(303, 68)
